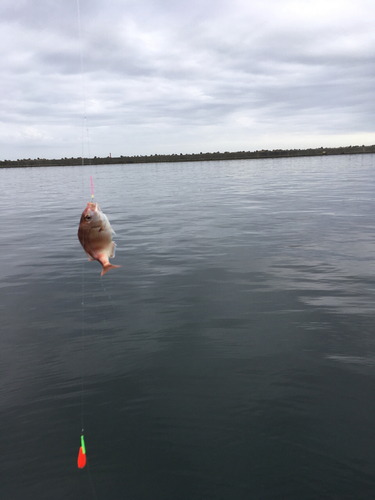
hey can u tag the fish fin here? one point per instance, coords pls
(89, 257)
(107, 267)
(112, 250)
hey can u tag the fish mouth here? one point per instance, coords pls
(92, 206)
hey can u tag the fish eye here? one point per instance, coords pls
(87, 218)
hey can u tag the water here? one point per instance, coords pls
(231, 357)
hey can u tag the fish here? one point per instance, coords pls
(95, 235)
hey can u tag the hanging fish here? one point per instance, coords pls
(95, 235)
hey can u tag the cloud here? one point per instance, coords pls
(162, 76)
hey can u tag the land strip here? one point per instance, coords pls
(157, 158)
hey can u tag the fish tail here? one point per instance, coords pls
(107, 267)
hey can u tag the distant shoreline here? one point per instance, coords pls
(239, 155)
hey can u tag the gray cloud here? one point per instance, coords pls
(165, 76)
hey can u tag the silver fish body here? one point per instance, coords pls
(95, 235)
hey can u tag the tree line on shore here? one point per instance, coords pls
(160, 158)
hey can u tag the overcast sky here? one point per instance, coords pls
(181, 76)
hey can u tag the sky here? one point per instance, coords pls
(142, 77)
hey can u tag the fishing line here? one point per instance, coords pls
(84, 92)
(82, 340)
(92, 189)
(82, 461)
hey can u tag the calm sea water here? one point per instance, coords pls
(232, 355)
